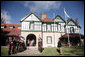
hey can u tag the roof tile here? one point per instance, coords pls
(47, 20)
(13, 31)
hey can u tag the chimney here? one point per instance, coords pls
(43, 15)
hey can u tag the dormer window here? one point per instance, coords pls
(11, 27)
(19, 27)
(3, 26)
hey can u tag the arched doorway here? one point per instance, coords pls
(31, 40)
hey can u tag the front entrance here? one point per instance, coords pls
(31, 40)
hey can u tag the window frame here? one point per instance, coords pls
(71, 29)
(49, 27)
(50, 40)
(31, 26)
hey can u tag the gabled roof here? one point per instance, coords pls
(60, 18)
(70, 19)
(29, 15)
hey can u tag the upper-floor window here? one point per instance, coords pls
(37, 26)
(31, 25)
(44, 27)
(48, 27)
(59, 27)
(71, 29)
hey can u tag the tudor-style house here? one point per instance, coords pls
(50, 30)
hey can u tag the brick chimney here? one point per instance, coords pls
(43, 15)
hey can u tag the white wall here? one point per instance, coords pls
(55, 38)
(26, 33)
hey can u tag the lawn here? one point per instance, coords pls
(52, 51)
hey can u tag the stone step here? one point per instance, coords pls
(30, 50)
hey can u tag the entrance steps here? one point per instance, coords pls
(30, 50)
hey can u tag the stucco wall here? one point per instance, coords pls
(26, 33)
(55, 36)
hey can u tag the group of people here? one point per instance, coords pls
(16, 46)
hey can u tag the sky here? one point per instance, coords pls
(14, 11)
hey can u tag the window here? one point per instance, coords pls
(19, 27)
(31, 25)
(71, 30)
(48, 27)
(44, 27)
(49, 39)
(59, 28)
(55, 27)
(11, 27)
(62, 28)
(37, 26)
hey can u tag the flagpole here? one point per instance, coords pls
(67, 27)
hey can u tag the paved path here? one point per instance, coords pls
(30, 50)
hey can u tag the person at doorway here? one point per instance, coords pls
(28, 43)
(32, 43)
(60, 47)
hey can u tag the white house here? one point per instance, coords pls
(33, 27)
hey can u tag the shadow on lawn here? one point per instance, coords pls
(58, 51)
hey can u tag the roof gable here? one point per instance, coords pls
(31, 17)
(58, 18)
(72, 22)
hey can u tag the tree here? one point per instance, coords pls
(2, 20)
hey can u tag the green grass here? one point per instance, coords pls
(73, 51)
(4, 51)
(51, 51)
